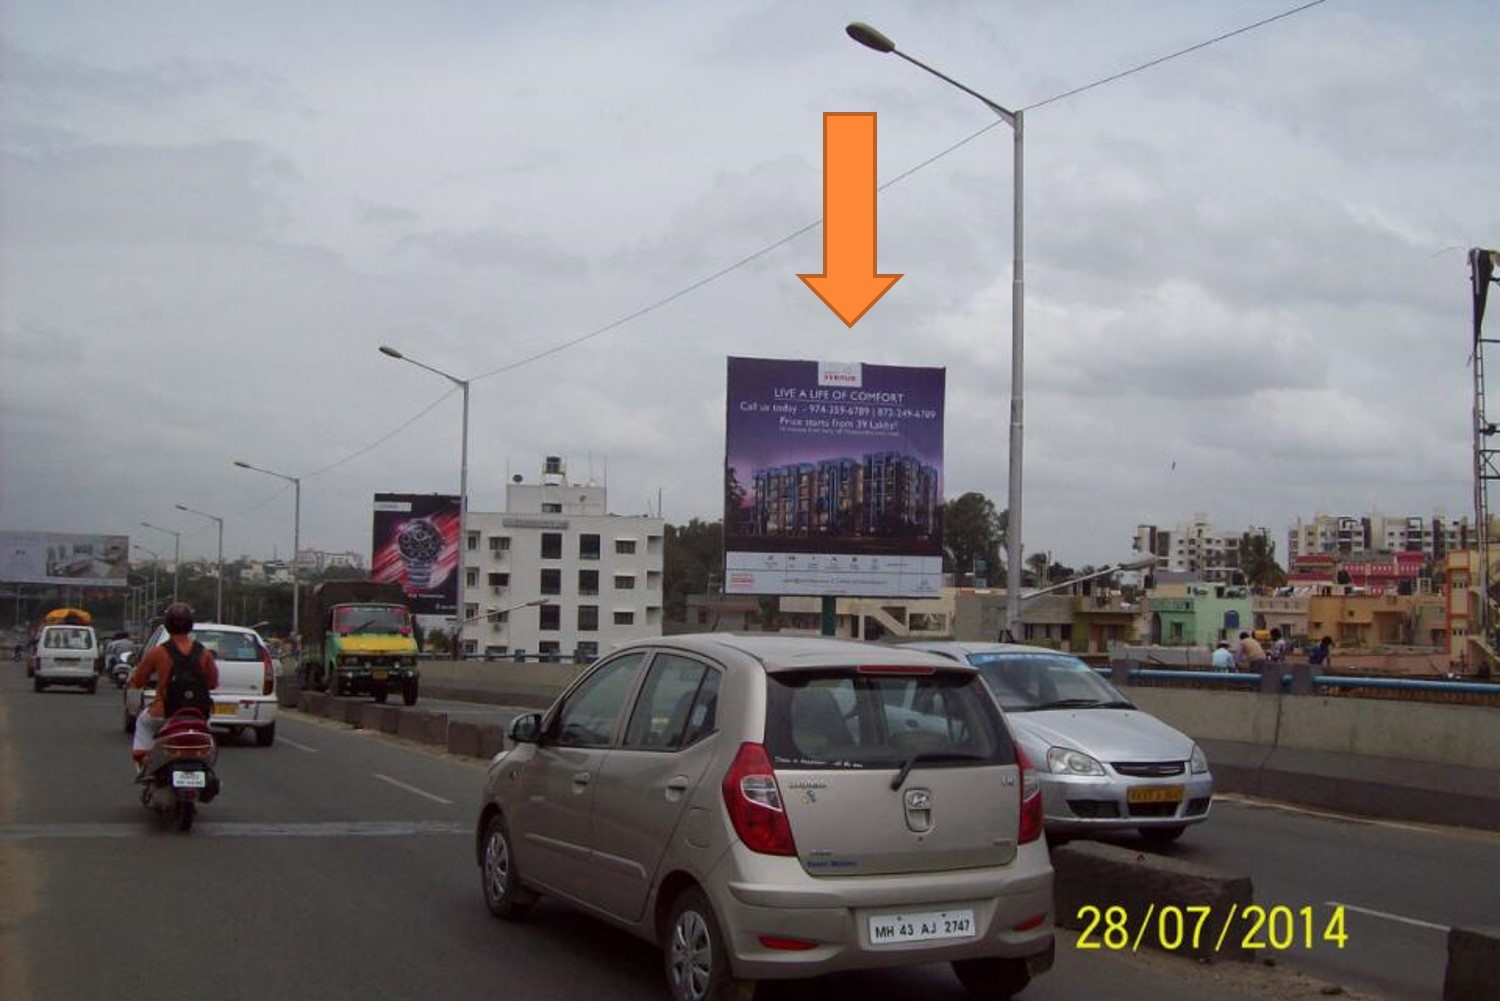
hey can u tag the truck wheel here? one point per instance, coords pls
(381, 694)
(409, 692)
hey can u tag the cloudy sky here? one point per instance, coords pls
(1246, 287)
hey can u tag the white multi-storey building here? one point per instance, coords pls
(1433, 536)
(555, 574)
(1196, 546)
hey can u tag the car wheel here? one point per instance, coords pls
(1161, 835)
(93, 686)
(503, 893)
(409, 692)
(696, 963)
(265, 736)
(992, 979)
(38, 684)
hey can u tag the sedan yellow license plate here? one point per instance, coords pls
(226, 709)
(379, 675)
(1154, 794)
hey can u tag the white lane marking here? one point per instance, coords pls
(1388, 917)
(1254, 802)
(300, 747)
(413, 789)
(148, 828)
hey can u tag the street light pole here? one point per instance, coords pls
(176, 553)
(296, 483)
(219, 596)
(154, 560)
(870, 38)
(463, 488)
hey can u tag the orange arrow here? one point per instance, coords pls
(849, 284)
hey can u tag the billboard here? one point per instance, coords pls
(416, 545)
(63, 558)
(833, 479)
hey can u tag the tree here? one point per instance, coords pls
(1039, 565)
(972, 529)
(1258, 561)
(693, 556)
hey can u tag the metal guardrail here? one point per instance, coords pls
(1338, 682)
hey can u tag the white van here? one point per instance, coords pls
(66, 655)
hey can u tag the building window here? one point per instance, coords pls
(551, 618)
(499, 580)
(499, 543)
(586, 652)
(588, 547)
(551, 584)
(624, 582)
(588, 618)
(588, 582)
(551, 545)
(473, 540)
(624, 547)
(471, 577)
(624, 618)
(551, 508)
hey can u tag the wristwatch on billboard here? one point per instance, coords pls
(420, 543)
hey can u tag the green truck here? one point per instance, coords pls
(358, 638)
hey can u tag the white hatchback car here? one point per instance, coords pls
(246, 696)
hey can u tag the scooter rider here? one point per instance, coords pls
(155, 669)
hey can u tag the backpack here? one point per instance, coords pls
(186, 686)
(1317, 654)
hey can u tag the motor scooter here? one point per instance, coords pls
(178, 774)
(119, 668)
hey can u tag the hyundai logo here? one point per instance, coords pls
(918, 799)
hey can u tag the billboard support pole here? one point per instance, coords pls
(830, 615)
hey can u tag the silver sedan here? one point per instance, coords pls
(1104, 764)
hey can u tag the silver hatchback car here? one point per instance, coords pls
(778, 807)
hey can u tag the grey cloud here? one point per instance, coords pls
(55, 81)
(496, 247)
(376, 214)
(127, 194)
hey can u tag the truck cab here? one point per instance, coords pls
(360, 641)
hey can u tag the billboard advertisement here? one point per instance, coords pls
(416, 546)
(833, 479)
(64, 558)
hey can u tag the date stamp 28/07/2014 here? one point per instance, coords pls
(1203, 929)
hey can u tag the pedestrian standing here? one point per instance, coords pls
(1321, 655)
(1252, 656)
(1279, 647)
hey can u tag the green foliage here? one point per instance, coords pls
(972, 528)
(1258, 561)
(693, 558)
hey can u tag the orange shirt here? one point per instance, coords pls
(157, 664)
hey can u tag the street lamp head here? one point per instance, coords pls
(182, 507)
(1139, 563)
(869, 37)
(386, 349)
(243, 465)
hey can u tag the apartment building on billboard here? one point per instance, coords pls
(881, 493)
(1196, 546)
(555, 574)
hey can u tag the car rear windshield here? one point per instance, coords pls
(845, 719)
(1024, 682)
(69, 639)
(227, 645)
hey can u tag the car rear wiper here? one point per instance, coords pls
(927, 758)
(1116, 704)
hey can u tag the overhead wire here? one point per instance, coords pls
(809, 227)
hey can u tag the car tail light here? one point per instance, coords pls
(754, 803)
(268, 682)
(1031, 800)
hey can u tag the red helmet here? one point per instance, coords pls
(178, 618)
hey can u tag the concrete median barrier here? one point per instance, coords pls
(1121, 898)
(475, 740)
(421, 725)
(313, 703)
(1473, 964)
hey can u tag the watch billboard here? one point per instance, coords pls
(416, 545)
